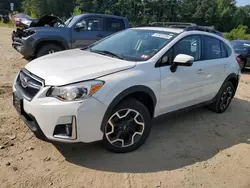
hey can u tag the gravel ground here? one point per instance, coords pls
(194, 149)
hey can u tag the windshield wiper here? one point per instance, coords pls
(104, 52)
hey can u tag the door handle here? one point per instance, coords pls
(200, 71)
(226, 66)
(99, 35)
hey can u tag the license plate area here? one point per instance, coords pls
(18, 102)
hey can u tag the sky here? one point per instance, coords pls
(243, 2)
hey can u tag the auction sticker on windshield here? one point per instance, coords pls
(164, 36)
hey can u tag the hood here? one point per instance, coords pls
(48, 20)
(75, 65)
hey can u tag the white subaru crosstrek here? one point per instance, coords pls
(111, 90)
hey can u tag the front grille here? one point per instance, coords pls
(28, 85)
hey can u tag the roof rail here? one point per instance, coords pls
(205, 29)
(182, 25)
(167, 24)
(143, 25)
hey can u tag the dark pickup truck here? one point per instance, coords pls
(50, 34)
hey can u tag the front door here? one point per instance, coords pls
(92, 32)
(184, 87)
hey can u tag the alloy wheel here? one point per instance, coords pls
(226, 98)
(124, 128)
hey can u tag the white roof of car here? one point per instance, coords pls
(172, 30)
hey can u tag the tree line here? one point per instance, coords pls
(224, 15)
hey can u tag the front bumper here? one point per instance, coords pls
(29, 120)
(42, 115)
(23, 46)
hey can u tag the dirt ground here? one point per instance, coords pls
(194, 149)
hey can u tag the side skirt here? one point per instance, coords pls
(186, 109)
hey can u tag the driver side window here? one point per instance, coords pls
(92, 24)
(190, 45)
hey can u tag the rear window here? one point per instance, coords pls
(212, 48)
(223, 50)
(229, 51)
(226, 50)
(112, 24)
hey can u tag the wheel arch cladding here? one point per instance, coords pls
(141, 93)
(57, 41)
(234, 78)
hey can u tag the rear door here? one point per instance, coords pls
(215, 65)
(92, 33)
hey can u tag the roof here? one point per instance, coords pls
(103, 15)
(172, 30)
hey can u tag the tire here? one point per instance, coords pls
(126, 128)
(242, 64)
(223, 98)
(48, 49)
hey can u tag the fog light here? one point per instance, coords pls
(66, 131)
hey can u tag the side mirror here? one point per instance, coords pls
(182, 60)
(80, 26)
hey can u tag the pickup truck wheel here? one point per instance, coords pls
(128, 127)
(224, 98)
(48, 49)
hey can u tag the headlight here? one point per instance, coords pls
(75, 92)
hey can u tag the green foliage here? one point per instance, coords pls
(224, 15)
(76, 11)
(238, 33)
(33, 14)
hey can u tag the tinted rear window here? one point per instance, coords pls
(229, 51)
(113, 24)
(211, 48)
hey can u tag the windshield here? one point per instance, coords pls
(134, 44)
(70, 22)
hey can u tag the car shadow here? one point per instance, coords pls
(175, 142)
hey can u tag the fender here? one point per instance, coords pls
(59, 39)
(124, 94)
